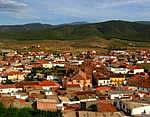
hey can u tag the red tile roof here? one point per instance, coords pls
(133, 67)
(104, 88)
(49, 83)
(14, 73)
(42, 61)
(105, 106)
(79, 76)
(7, 86)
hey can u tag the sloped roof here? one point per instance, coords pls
(79, 76)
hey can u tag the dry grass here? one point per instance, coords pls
(75, 46)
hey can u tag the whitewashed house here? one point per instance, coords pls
(47, 65)
(5, 89)
(51, 77)
(58, 63)
(119, 94)
(133, 108)
(1, 69)
(144, 89)
(104, 82)
(118, 70)
(135, 69)
(21, 96)
(140, 62)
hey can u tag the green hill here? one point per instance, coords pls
(123, 30)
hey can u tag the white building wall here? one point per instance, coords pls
(10, 90)
(140, 62)
(46, 88)
(21, 97)
(138, 71)
(59, 65)
(47, 65)
(113, 96)
(103, 82)
(1, 69)
(118, 70)
(140, 110)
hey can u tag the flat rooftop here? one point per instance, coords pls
(132, 104)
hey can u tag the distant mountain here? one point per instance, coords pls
(143, 22)
(78, 23)
(25, 27)
(124, 30)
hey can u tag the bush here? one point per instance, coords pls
(92, 107)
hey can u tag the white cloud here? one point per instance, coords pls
(11, 6)
(66, 10)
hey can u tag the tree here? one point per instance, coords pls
(8, 82)
(92, 107)
(23, 113)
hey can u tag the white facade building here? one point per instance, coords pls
(132, 107)
(9, 90)
(118, 70)
(104, 82)
(47, 65)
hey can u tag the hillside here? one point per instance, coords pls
(143, 22)
(123, 30)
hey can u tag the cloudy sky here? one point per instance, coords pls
(66, 11)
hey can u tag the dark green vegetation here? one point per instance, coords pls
(143, 22)
(123, 30)
(55, 71)
(146, 67)
(92, 108)
(12, 112)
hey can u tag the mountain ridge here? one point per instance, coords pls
(124, 30)
(143, 22)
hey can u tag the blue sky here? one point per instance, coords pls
(67, 11)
